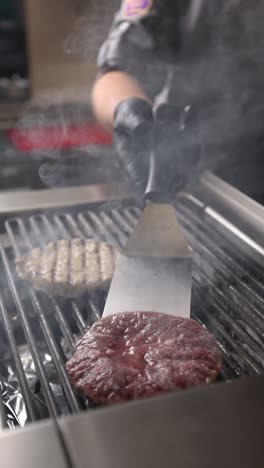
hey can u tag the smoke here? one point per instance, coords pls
(51, 109)
(224, 84)
(91, 28)
(59, 110)
(45, 124)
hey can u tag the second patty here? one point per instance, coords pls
(68, 268)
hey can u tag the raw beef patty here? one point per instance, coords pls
(140, 354)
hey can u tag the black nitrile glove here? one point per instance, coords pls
(170, 133)
(133, 139)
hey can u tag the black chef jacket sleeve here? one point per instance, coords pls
(140, 30)
(127, 37)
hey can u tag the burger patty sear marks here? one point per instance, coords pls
(68, 267)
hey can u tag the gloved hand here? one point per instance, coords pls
(169, 132)
(133, 139)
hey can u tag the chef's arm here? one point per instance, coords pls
(109, 90)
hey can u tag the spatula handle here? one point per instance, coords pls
(155, 191)
(165, 116)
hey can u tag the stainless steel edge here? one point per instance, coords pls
(36, 446)
(246, 214)
(219, 426)
(2, 415)
(23, 201)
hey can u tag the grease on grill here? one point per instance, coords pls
(68, 268)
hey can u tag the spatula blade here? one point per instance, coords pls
(154, 271)
(147, 284)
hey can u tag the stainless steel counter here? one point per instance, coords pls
(220, 426)
(216, 427)
(23, 201)
(245, 213)
(35, 447)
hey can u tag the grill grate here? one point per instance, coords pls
(227, 298)
(228, 291)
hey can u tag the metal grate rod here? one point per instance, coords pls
(246, 312)
(207, 261)
(205, 234)
(125, 226)
(79, 319)
(229, 360)
(68, 220)
(3, 421)
(67, 333)
(55, 352)
(233, 344)
(104, 233)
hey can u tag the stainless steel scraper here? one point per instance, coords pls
(154, 270)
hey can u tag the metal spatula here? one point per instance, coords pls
(154, 270)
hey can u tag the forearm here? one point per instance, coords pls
(109, 90)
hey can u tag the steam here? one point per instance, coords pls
(52, 109)
(91, 27)
(194, 14)
(56, 110)
(224, 84)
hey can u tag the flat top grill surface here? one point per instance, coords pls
(38, 333)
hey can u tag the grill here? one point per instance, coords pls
(38, 333)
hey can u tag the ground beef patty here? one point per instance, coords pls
(140, 354)
(68, 268)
